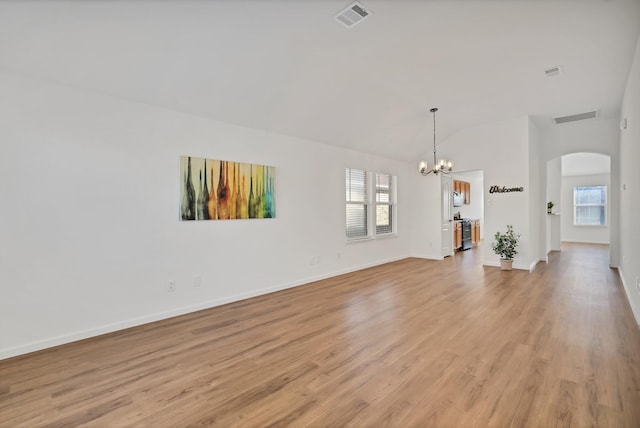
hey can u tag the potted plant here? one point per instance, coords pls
(506, 246)
(549, 206)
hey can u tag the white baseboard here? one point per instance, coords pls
(134, 322)
(636, 314)
(515, 265)
(428, 256)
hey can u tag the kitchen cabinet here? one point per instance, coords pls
(475, 232)
(467, 193)
(464, 188)
(457, 235)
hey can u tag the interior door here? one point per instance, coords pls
(447, 220)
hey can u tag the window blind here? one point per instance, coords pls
(356, 202)
(384, 203)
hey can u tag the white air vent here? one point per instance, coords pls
(575, 117)
(352, 15)
(553, 71)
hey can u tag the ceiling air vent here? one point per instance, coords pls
(352, 15)
(553, 71)
(575, 117)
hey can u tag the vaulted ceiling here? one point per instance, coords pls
(288, 66)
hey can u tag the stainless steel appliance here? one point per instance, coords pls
(466, 234)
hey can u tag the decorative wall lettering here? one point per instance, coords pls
(504, 189)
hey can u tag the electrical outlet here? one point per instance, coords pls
(197, 281)
(172, 286)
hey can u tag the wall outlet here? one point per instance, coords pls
(172, 286)
(197, 281)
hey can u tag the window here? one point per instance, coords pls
(384, 204)
(356, 201)
(590, 205)
(361, 217)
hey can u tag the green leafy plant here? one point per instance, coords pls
(506, 244)
(549, 206)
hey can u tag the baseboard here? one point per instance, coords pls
(584, 242)
(515, 265)
(427, 256)
(134, 322)
(636, 314)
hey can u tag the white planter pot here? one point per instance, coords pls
(506, 264)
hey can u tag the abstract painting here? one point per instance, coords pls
(224, 190)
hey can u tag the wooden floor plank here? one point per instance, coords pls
(409, 343)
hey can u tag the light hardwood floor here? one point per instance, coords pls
(411, 343)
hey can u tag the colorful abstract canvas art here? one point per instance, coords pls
(224, 190)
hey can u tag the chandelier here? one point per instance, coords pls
(439, 165)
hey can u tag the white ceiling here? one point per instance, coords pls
(287, 66)
(585, 164)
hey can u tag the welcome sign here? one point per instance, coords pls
(504, 189)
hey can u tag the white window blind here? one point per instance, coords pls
(384, 203)
(356, 202)
(590, 205)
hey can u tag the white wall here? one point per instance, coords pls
(89, 222)
(554, 194)
(482, 148)
(537, 202)
(426, 235)
(630, 187)
(586, 234)
(554, 184)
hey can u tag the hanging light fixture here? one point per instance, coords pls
(439, 165)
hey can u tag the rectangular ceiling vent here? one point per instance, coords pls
(576, 117)
(553, 71)
(354, 14)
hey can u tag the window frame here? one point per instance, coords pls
(390, 203)
(603, 205)
(371, 205)
(350, 201)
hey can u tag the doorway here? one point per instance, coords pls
(470, 206)
(578, 196)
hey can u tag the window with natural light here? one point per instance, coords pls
(362, 217)
(590, 206)
(356, 203)
(384, 204)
